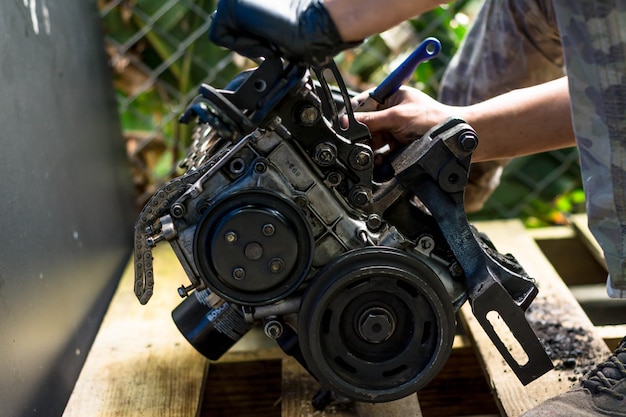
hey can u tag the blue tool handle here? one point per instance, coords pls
(428, 49)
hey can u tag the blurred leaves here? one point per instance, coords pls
(368, 65)
(540, 189)
(160, 54)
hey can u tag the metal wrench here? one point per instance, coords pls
(428, 49)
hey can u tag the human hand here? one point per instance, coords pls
(402, 118)
(299, 30)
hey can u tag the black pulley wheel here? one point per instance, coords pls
(253, 247)
(376, 325)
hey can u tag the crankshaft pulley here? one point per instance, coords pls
(376, 324)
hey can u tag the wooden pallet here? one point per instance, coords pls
(140, 365)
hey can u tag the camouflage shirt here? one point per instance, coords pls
(517, 43)
(594, 45)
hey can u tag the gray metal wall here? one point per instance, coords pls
(65, 201)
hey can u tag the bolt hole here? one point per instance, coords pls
(260, 86)
(237, 166)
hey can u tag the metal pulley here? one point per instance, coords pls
(376, 324)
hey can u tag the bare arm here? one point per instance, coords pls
(520, 122)
(357, 19)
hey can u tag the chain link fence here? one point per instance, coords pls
(160, 54)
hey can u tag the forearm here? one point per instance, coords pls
(522, 122)
(357, 19)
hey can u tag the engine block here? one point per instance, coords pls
(283, 219)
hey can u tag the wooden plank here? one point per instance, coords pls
(139, 363)
(569, 255)
(579, 221)
(246, 389)
(299, 387)
(404, 407)
(612, 334)
(554, 297)
(460, 388)
(253, 346)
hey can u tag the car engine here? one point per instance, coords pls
(353, 261)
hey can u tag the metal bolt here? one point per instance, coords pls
(468, 141)
(184, 291)
(374, 221)
(334, 178)
(456, 270)
(376, 325)
(239, 273)
(426, 242)
(360, 196)
(301, 201)
(325, 154)
(178, 210)
(277, 265)
(274, 123)
(309, 115)
(230, 237)
(260, 167)
(153, 240)
(363, 158)
(273, 329)
(269, 230)
(257, 134)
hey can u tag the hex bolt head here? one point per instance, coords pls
(376, 325)
(230, 237)
(301, 201)
(374, 221)
(309, 115)
(276, 265)
(360, 196)
(325, 154)
(177, 210)
(334, 178)
(363, 158)
(239, 273)
(269, 230)
(468, 141)
(260, 167)
(273, 329)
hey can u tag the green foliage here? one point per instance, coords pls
(555, 212)
(162, 54)
(540, 189)
(380, 53)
